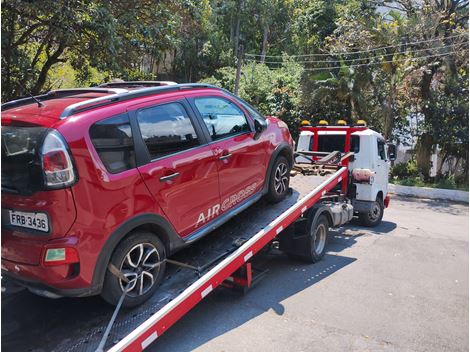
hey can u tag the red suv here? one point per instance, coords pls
(127, 176)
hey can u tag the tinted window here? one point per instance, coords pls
(355, 144)
(112, 139)
(335, 142)
(331, 142)
(222, 117)
(381, 149)
(166, 129)
(21, 169)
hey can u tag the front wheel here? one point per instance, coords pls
(279, 180)
(374, 216)
(141, 259)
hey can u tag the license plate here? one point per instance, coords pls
(36, 221)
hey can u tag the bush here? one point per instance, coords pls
(405, 170)
(272, 91)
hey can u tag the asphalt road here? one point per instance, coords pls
(402, 286)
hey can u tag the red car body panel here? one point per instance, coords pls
(85, 215)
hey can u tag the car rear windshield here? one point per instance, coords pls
(21, 170)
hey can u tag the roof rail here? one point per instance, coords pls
(57, 94)
(131, 84)
(110, 99)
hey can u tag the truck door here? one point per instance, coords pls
(381, 167)
(181, 171)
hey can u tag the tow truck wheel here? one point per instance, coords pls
(374, 216)
(317, 242)
(279, 180)
(318, 238)
(140, 258)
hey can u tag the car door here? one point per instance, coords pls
(181, 169)
(241, 158)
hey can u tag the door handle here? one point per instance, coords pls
(225, 156)
(169, 177)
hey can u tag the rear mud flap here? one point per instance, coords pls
(295, 239)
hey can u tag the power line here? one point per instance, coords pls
(375, 63)
(360, 58)
(378, 63)
(364, 51)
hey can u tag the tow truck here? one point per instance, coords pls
(339, 171)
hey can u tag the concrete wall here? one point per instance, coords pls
(426, 192)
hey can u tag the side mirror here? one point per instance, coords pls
(392, 152)
(260, 126)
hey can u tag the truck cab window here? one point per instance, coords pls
(381, 149)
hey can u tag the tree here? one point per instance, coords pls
(113, 37)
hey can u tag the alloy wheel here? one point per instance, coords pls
(281, 178)
(140, 266)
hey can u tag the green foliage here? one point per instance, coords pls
(272, 91)
(321, 61)
(404, 170)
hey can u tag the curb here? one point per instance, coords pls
(427, 192)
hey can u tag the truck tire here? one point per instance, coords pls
(374, 216)
(140, 257)
(278, 186)
(318, 241)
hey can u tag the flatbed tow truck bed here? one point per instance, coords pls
(226, 249)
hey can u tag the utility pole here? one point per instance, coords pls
(239, 69)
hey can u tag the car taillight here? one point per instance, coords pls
(56, 162)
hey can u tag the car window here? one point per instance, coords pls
(113, 141)
(381, 149)
(221, 117)
(251, 110)
(166, 129)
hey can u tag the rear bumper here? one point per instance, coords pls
(47, 280)
(40, 288)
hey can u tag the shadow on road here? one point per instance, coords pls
(32, 323)
(222, 312)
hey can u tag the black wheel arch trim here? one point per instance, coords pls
(166, 233)
(284, 147)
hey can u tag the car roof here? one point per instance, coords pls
(60, 104)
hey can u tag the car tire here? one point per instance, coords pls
(141, 258)
(373, 217)
(278, 187)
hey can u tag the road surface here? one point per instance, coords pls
(402, 286)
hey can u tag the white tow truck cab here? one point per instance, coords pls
(365, 153)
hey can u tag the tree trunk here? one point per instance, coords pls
(264, 45)
(425, 142)
(237, 26)
(51, 60)
(423, 154)
(389, 118)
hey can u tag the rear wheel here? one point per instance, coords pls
(140, 258)
(279, 180)
(374, 216)
(318, 241)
